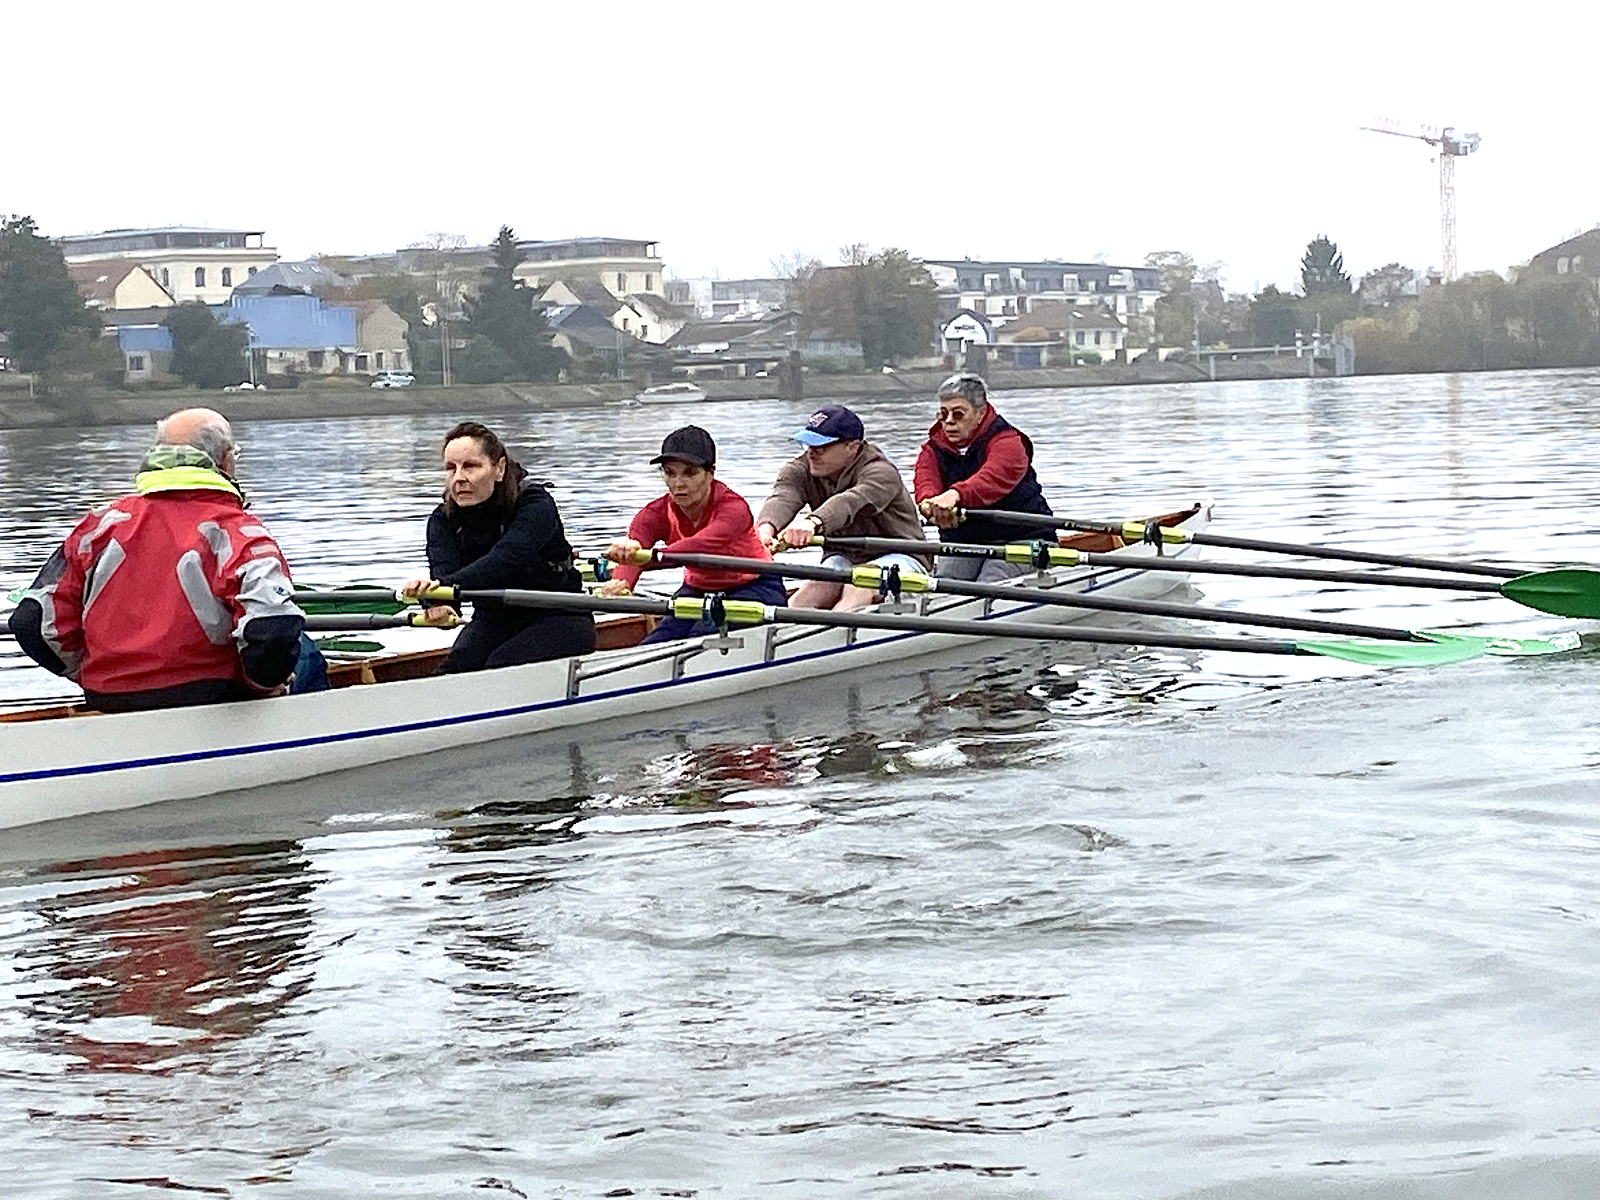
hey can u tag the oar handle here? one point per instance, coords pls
(345, 622)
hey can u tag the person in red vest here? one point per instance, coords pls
(698, 515)
(974, 458)
(174, 595)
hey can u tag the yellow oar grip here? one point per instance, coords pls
(1134, 531)
(736, 612)
(1057, 556)
(872, 578)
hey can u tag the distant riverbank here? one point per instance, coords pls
(311, 402)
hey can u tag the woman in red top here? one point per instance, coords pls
(699, 515)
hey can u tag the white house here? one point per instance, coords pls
(1007, 291)
(190, 263)
(1061, 333)
(118, 283)
(965, 329)
(620, 265)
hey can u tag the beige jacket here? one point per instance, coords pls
(867, 499)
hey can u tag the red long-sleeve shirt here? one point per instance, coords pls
(726, 527)
(1004, 464)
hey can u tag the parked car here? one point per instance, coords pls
(241, 387)
(388, 379)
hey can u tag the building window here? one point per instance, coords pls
(199, 277)
(227, 276)
(135, 362)
(622, 284)
(377, 360)
(314, 359)
(1078, 337)
(250, 271)
(361, 362)
(644, 333)
(1096, 337)
(649, 283)
(624, 324)
(166, 277)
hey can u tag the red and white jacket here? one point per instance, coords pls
(161, 589)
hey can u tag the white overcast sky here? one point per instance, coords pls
(736, 133)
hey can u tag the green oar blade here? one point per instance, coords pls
(1510, 647)
(1568, 592)
(1395, 654)
(342, 645)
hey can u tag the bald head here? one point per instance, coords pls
(203, 428)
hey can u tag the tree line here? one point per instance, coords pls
(884, 302)
(1479, 322)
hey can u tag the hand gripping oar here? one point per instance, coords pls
(886, 580)
(1567, 592)
(1446, 648)
(1149, 531)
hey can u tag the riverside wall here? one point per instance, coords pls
(310, 402)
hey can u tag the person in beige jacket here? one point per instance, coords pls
(849, 489)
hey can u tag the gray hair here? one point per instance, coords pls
(212, 436)
(968, 386)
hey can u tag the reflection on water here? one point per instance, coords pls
(154, 959)
(1073, 920)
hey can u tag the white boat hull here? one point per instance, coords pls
(70, 766)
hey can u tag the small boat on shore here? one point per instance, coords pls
(67, 761)
(671, 393)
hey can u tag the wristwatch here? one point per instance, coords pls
(816, 524)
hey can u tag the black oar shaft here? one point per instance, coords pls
(1365, 556)
(1033, 595)
(1187, 565)
(348, 622)
(961, 627)
(1228, 542)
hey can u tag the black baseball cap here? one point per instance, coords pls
(691, 444)
(830, 423)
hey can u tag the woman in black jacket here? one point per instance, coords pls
(498, 529)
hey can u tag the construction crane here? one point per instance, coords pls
(1450, 146)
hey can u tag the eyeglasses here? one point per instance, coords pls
(948, 416)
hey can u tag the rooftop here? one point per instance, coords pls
(80, 237)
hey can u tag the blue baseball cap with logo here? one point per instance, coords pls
(830, 423)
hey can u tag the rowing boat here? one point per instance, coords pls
(66, 761)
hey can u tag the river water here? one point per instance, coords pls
(1080, 922)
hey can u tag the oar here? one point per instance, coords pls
(1446, 648)
(345, 622)
(1567, 592)
(1140, 531)
(366, 598)
(358, 598)
(878, 579)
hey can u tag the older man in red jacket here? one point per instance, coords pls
(172, 596)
